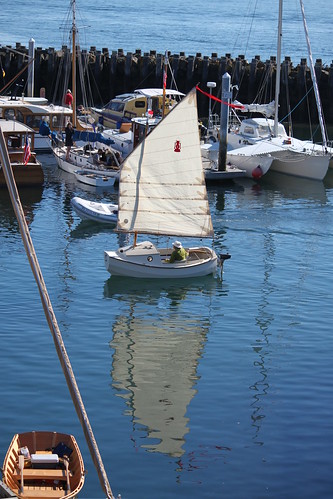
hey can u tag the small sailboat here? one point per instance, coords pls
(162, 191)
(44, 464)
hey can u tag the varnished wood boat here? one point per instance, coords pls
(30, 173)
(43, 465)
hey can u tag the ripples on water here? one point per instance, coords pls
(245, 27)
(208, 388)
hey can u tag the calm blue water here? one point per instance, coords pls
(243, 27)
(193, 389)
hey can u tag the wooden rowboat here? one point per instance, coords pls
(43, 465)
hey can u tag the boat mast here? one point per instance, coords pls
(74, 62)
(314, 79)
(278, 71)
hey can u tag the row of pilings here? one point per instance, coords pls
(106, 74)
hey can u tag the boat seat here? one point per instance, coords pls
(42, 494)
(41, 474)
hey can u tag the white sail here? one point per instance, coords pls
(162, 186)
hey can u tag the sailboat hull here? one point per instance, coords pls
(300, 165)
(146, 261)
(78, 160)
(243, 158)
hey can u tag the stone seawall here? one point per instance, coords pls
(107, 74)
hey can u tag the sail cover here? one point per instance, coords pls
(162, 186)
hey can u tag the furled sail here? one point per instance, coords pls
(162, 187)
(267, 110)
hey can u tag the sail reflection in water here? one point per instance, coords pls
(157, 347)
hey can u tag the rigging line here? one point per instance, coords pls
(16, 76)
(172, 76)
(50, 317)
(298, 104)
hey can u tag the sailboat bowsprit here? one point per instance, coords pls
(162, 191)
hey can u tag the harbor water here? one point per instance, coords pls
(194, 388)
(205, 388)
(243, 27)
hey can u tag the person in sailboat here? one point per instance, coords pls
(69, 132)
(179, 253)
(69, 99)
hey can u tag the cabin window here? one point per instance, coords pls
(117, 106)
(248, 130)
(10, 114)
(14, 141)
(263, 131)
(140, 104)
(19, 116)
(34, 121)
(58, 122)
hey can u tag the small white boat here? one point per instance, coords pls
(94, 179)
(92, 210)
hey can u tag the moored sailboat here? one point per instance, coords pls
(162, 191)
(269, 138)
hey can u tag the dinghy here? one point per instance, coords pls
(92, 210)
(94, 179)
(162, 191)
(44, 464)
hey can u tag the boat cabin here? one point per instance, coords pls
(124, 107)
(260, 128)
(32, 111)
(16, 135)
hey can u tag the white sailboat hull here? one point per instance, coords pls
(253, 165)
(146, 261)
(78, 160)
(288, 155)
(72, 165)
(301, 165)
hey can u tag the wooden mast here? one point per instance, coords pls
(74, 62)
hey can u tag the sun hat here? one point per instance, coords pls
(177, 244)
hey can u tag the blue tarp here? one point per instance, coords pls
(92, 137)
(44, 129)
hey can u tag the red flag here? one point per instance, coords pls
(27, 150)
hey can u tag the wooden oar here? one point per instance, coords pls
(67, 474)
(21, 466)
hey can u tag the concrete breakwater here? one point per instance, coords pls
(107, 74)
